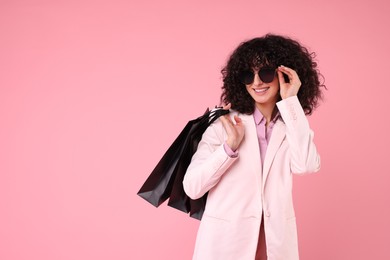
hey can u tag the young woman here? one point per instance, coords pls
(246, 160)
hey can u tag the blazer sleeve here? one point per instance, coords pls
(209, 162)
(303, 152)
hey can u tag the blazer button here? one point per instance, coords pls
(267, 213)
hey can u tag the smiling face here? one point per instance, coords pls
(264, 94)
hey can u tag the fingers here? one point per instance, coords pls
(227, 107)
(290, 88)
(286, 70)
(237, 119)
(292, 74)
(281, 78)
(226, 121)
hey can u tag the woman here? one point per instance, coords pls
(245, 160)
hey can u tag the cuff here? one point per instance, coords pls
(229, 151)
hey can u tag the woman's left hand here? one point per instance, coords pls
(291, 88)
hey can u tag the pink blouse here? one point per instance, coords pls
(263, 134)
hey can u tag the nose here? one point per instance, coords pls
(257, 80)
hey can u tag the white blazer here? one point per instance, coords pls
(240, 188)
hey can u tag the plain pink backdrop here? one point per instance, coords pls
(84, 84)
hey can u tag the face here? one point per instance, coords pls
(263, 93)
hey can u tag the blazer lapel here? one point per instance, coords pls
(278, 134)
(251, 145)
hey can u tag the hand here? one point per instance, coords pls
(288, 89)
(235, 132)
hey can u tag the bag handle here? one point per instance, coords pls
(216, 113)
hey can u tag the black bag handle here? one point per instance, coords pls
(216, 113)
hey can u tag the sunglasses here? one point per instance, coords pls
(266, 74)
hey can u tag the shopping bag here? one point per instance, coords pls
(166, 180)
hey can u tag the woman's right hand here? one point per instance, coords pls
(235, 131)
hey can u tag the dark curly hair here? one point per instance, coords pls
(271, 50)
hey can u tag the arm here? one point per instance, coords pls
(303, 152)
(208, 164)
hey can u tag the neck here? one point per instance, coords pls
(267, 110)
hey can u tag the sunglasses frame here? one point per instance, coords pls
(247, 76)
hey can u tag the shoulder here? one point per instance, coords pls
(218, 126)
(232, 114)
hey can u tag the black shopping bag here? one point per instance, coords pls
(166, 179)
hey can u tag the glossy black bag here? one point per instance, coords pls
(166, 180)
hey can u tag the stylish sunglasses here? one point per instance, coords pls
(266, 74)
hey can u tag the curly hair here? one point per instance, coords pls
(271, 50)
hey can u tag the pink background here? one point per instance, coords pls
(92, 93)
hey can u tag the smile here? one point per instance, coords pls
(260, 90)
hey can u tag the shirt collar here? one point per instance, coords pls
(259, 118)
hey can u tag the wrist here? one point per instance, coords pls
(232, 145)
(287, 96)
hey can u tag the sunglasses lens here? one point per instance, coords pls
(267, 74)
(246, 77)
